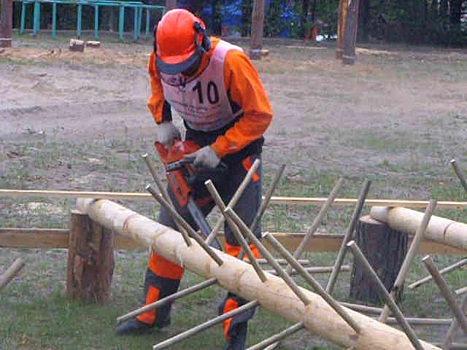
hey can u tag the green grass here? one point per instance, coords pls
(38, 315)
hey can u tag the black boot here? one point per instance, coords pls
(134, 327)
(237, 337)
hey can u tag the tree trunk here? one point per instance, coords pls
(455, 12)
(6, 22)
(363, 34)
(342, 15)
(170, 4)
(246, 7)
(385, 250)
(257, 27)
(90, 260)
(350, 35)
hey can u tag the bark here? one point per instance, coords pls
(385, 250)
(257, 25)
(90, 260)
(6, 22)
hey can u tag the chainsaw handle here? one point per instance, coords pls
(179, 164)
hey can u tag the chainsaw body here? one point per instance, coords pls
(177, 169)
(187, 183)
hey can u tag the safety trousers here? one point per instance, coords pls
(163, 276)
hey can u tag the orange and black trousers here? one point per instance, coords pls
(163, 276)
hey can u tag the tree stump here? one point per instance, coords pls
(385, 250)
(90, 260)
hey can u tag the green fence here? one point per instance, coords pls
(139, 10)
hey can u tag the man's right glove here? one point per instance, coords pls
(167, 132)
(204, 158)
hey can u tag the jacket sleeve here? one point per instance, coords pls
(244, 88)
(159, 107)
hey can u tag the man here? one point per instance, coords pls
(217, 92)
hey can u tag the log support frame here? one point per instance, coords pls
(239, 277)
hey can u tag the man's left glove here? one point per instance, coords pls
(204, 158)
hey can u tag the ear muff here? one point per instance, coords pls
(205, 44)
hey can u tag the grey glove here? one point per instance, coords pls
(204, 158)
(167, 132)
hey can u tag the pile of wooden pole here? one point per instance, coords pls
(241, 278)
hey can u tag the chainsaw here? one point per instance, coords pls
(187, 183)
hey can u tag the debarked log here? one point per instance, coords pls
(439, 229)
(240, 278)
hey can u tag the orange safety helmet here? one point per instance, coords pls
(180, 41)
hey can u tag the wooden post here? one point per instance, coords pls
(385, 250)
(350, 35)
(170, 4)
(257, 26)
(6, 22)
(90, 260)
(343, 4)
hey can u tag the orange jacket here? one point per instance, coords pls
(244, 87)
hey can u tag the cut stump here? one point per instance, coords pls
(385, 250)
(76, 45)
(90, 260)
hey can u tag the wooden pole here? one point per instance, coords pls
(58, 238)
(11, 272)
(257, 27)
(195, 330)
(277, 337)
(450, 268)
(446, 293)
(400, 279)
(267, 197)
(236, 232)
(9, 193)
(233, 201)
(177, 217)
(313, 283)
(439, 229)
(240, 278)
(461, 291)
(387, 297)
(350, 36)
(348, 236)
(179, 221)
(90, 260)
(167, 299)
(314, 269)
(317, 221)
(342, 16)
(6, 22)
(453, 328)
(459, 174)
